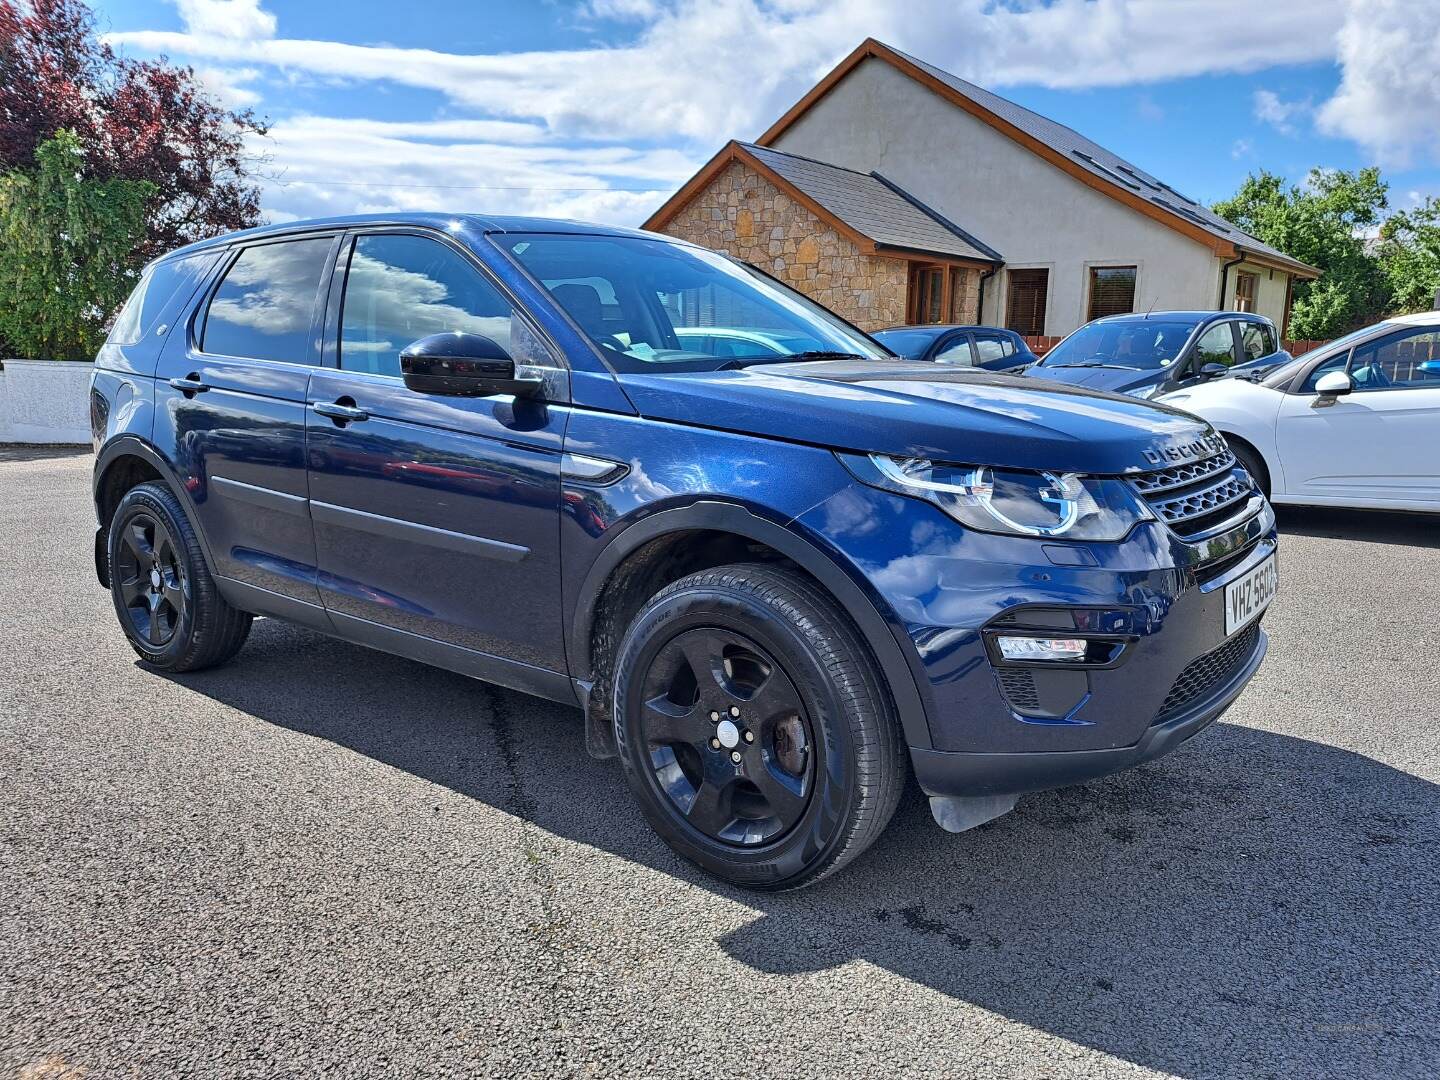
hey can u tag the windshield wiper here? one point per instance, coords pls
(814, 354)
(1091, 363)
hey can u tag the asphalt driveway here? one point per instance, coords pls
(324, 860)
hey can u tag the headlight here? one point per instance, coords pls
(1144, 391)
(1009, 501)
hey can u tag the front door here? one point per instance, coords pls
(230, 405)
(1378, 442)
(436, 518)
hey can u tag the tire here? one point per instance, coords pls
(1252, 463)
(165, 597)
(819, 780)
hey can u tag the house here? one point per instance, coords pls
(894, 192)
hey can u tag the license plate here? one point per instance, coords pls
(1246, 597)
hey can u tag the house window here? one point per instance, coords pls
(1025, 301)
(1112, 290)
(1245, 287)
(927, 295)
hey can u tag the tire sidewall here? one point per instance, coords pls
(139, 499)
(827, 819)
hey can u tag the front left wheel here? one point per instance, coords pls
(168, 605)
(753, 728)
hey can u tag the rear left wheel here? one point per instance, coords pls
(752, 727)
(166, 600)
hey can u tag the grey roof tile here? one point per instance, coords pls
(874, 207)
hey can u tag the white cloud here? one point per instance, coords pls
(324, 165)
(1241, 148)
(710, 69)
(1271, 109)
(243, 19)
(1389, 93)
(228, 85)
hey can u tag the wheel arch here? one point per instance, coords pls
(125, 462)
(1234, 439)
(630, 569)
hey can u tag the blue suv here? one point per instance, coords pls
(776, 582)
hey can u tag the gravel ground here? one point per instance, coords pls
(325, 860)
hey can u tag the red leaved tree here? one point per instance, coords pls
(136, 120)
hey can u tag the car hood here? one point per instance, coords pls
(1116, 380)
(920, 410)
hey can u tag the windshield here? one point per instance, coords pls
(1141, 344)
(655, 306)
(911, 343)
(1282, 375)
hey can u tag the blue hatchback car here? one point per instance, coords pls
(777, 581)
(988, 347)
(1152, 354)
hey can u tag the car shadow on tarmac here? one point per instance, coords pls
(1255, 904)
(1367, 526)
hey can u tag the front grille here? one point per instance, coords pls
(1196, 497)
(1214, 668)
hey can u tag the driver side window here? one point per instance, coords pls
(401, 288)
(957, 351)
(1216, 346)
(1403, 362)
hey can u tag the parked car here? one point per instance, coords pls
(1159, 352)
(1356, 422)
(774, 584)
(987, 347)
(736, 342)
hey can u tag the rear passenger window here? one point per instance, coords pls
(403, 288)
(1257, 339)
(157, 285)
(264, 307)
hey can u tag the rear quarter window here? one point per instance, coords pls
(157, 286)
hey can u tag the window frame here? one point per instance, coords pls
(1254, 280)
(1091, 270)
(1380, 342)
(200, 318)
(1044, 312)
(340, 272)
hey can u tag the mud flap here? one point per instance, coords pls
(955, 813)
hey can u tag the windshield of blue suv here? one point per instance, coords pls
(1140, 345)
(653, 306)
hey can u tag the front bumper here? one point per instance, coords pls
(958, 773)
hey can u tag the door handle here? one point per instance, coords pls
(191, 384)
(341, 414)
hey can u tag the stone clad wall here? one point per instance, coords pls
(742, 214)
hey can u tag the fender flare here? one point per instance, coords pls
(131, 445)
(874, 629)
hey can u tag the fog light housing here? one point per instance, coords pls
(1062, 650)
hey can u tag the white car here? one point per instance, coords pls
(1353, 423)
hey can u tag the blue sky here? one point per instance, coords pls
(599, 108)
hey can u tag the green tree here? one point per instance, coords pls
(1323, 222)
(1409, 254)
(67, 252)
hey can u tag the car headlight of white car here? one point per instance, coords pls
(1144, 391)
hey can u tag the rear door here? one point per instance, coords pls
(1377, 444)
(230, 408)
(436, 518)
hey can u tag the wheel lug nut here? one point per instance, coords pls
(749, 736)
(714, 717)
(714, 744)
(735, 756)
(734, 710)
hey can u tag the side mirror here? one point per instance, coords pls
(1333, 384)
(463, 365)
(1213, 371)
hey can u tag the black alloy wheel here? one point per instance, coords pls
(727, 736)
(150, 579)
(754, 727)
(165, 596)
